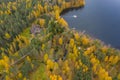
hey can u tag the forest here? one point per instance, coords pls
(36, 43)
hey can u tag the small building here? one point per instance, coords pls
(35, 29)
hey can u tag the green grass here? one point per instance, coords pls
(40, 73)
(26, 33)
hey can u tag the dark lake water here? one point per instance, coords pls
(99, 18)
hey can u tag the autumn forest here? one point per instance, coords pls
(36, 43)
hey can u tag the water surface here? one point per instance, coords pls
(99, 18)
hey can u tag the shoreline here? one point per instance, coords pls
(70, 9)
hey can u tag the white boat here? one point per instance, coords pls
(75, 16)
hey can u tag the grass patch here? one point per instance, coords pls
(26, 33)
(39, 74)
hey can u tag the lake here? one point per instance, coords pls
(98, 18)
